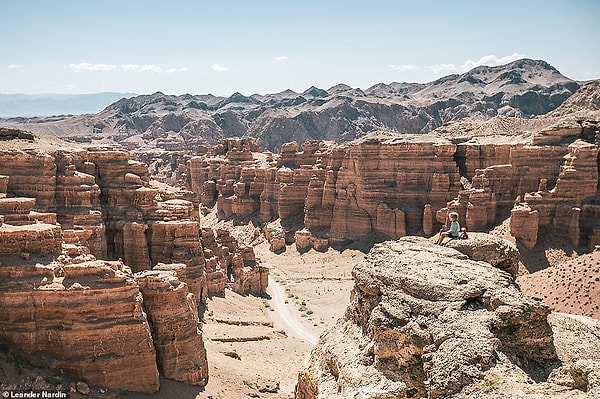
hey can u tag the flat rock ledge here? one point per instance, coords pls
(426, 321)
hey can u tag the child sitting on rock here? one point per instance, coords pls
(454, 231)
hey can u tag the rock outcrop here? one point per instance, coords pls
(173, 316)
(87, 319)
(427, 321)
(60, 210)
(31, 238)
(488, 248)
(397, 184)
(232, 265)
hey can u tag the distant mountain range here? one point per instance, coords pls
(27, 105)
(523, 88)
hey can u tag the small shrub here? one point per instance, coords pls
(489, 386)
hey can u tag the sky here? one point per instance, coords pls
(262, 46)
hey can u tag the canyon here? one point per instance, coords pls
(91, 250)
(395, 185)
(124, 267)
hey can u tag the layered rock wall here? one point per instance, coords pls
(32, 174)
(86, 319)
(90, 317)
(378, 184)
(403, 184)
(173, 317)
(545, 185)
(229, 264)
(107, 207)
(33, 238)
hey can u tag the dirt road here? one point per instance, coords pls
(287, 315)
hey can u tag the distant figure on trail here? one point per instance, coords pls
(454, 231)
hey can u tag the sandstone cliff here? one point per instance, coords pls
(394, 184)
(427, 321)
(60, 209)
(107, 207)
(173, 316)
(87, 319)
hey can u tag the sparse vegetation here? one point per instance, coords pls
(489, 386)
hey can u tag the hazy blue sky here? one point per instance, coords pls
(254, 46)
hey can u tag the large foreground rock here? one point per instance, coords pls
(426, 321)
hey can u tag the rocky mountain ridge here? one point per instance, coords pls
(523, 88)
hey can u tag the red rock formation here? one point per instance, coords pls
(229, 265)
(524, 225)
(179, 242)
(173, 318)
(549, 185)
(275, 235)
(395, 184)
(575, 185)
(86, 319)
(344, 192)
(3, 185)
(20, 165)
(102, 204)
(38, 238)
(107, 207)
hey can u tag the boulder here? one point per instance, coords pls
(426, 321)
(488, 248)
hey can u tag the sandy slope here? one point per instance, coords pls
(572, 286)
(567, 280)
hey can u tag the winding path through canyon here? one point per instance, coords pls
(290, 320)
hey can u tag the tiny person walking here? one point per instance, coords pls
(454, 231)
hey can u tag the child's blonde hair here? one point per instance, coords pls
(453, 215)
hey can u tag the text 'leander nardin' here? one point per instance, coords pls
(34, 394)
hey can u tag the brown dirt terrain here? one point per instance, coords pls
(564, 277)
(572, 286)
